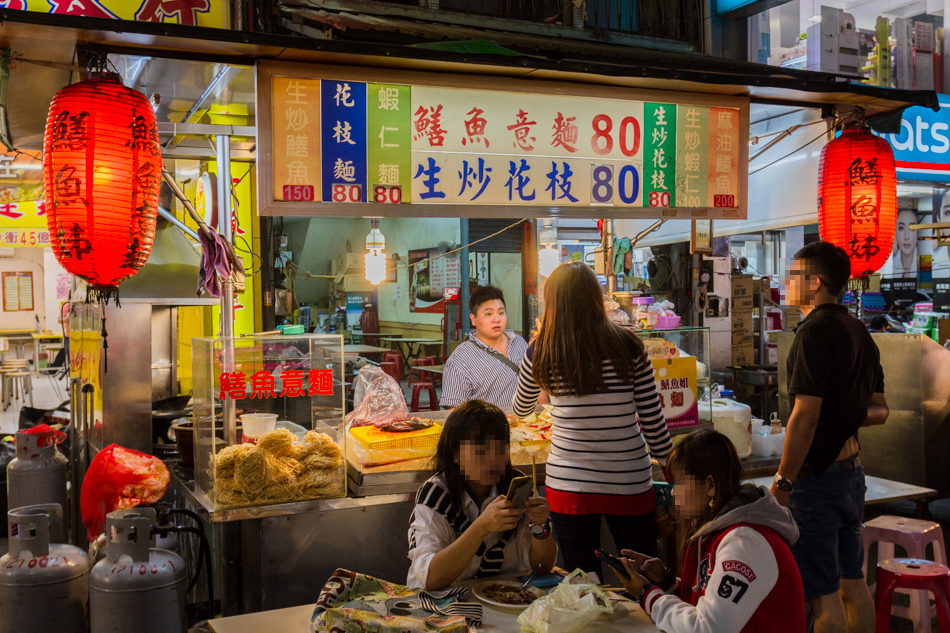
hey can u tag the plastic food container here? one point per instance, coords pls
(734, 420)
(256, 424)
(641, 317)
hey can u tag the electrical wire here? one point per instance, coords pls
(298, 272)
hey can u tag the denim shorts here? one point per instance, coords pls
(829, 510)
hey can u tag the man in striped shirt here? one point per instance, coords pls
(485, 367)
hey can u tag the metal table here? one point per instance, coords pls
(881, 491)
(354, 348)
(38, 344)
(411, 347)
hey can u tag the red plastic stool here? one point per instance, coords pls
(418, 388)
(913, 535)
(912, 573)
(421, 376)
(390, 368)
(435, 379)
(394, 357)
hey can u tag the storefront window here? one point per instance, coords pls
(890, 43)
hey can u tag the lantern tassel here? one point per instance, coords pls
(859, 284)
(105, 347)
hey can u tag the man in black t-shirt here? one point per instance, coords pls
(836, 385)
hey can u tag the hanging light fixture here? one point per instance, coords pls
(857, 199)
(374, 258)
(101, 171)
(548, 257)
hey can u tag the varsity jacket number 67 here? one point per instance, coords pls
(738, 574)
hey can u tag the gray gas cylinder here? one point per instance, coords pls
(136, 587)
(43, 587)
(37, 475)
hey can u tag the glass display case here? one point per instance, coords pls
(681, 359)
(287, 406)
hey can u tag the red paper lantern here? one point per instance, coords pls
(857, 198)
(101, 169)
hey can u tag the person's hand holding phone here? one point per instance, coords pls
(538, 510)
(499, 516)
(651, 568)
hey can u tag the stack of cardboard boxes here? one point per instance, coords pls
(743, 349)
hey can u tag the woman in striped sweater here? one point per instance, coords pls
(600, 380)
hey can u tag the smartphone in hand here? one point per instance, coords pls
(613, 561)
(518, 491)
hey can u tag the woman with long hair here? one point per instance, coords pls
(600, 381)
(463, 526)
(738, 570)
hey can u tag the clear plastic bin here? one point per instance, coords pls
(298, 377)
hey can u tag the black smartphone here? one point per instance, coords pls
(613, 561)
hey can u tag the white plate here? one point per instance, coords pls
(478, 592)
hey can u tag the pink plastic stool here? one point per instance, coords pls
(913, 535)
(418, 388)
(917, 574)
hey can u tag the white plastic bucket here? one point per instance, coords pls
(256, 424)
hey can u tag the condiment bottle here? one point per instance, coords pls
(776, 424)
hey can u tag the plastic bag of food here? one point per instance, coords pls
(118, 479)
(573, 604)
(377, 398)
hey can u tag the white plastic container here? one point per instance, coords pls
(256, 424)
(768, 445)
(734, 419)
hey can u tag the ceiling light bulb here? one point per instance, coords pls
(375, 266)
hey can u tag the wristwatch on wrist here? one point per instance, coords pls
(783, 483)
(540, 531)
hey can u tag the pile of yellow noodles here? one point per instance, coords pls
(278, 469)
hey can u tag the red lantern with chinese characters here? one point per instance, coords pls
(101, 169)
(857, 199)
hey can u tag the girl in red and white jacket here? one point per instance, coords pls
(738, 572)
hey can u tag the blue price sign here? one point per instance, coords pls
(343, 131)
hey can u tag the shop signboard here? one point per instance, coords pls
(922, 148)
(360, 141)
(676, 386)
(942, 295)
(898, 289)
(208, 13)
(24, 224)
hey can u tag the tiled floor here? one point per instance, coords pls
(47, 394)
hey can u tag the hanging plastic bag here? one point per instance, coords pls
(382, 399)
(118, 479)
(573, 604)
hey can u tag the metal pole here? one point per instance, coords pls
(464, 274)
(223, 155)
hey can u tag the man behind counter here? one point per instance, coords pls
(485, 367)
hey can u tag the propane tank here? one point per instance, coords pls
(37, 476)
(43, 587)
(136, 587)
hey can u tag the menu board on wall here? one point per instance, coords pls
(337, 137)
(17, 291)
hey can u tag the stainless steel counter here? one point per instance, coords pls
(276, 556)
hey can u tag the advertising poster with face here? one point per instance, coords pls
(429, 276)
(903, 262)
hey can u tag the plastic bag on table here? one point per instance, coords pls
(378, 399)
(119, 478)
(573, 604)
